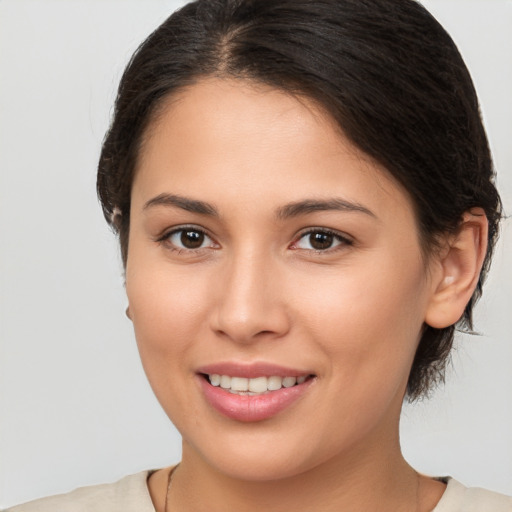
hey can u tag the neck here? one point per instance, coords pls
(367, 478)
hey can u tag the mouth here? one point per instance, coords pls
(255, 386)
(251, 393)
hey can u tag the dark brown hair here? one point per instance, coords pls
(385, 70)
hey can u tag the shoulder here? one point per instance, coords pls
(127, 495)
(458, 498)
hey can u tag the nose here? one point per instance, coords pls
(251, 302)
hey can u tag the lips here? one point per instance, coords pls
(256, 385)
(253, 392)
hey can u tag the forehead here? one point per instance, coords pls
(236, 140)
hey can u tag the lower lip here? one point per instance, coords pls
(252, 408)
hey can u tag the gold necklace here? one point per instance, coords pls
(418, 484)
(171, 472)
(169, 479)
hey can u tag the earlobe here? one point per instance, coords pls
(458, 270)
(127, 313)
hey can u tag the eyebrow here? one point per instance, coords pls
(287, 211)
(316, 205)
(185, 203)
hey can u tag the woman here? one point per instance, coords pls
(304, 197)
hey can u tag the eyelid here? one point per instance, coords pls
(164, 238)
(343, 238)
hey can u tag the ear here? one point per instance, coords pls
(457, 269)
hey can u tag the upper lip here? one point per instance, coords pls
(251, 370)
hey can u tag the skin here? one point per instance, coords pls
(256, 290)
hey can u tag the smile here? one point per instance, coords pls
(255, 392)
(254, 386)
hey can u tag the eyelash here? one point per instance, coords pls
(343, 240)
(165, 239)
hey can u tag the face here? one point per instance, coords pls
(275, 282)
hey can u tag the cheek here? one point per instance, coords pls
(367, 324)
(167, 305)
(166, 309)
(369, 317)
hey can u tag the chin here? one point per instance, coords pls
(259, 469)
(260, 455)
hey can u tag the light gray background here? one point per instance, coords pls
(75, 408)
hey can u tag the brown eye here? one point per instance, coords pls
(320, 241)
(191, 239)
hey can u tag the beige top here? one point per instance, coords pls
(131, 495)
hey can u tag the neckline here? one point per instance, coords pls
(451, 495)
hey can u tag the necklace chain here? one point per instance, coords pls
(169, 480)
(418, 483)
(171, 472)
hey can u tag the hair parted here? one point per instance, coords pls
(385, 70)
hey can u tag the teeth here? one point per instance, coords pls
(288, 382)
(225, 382)
(274, 383)
(239, 384)
(258, 385)
(242, 385)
